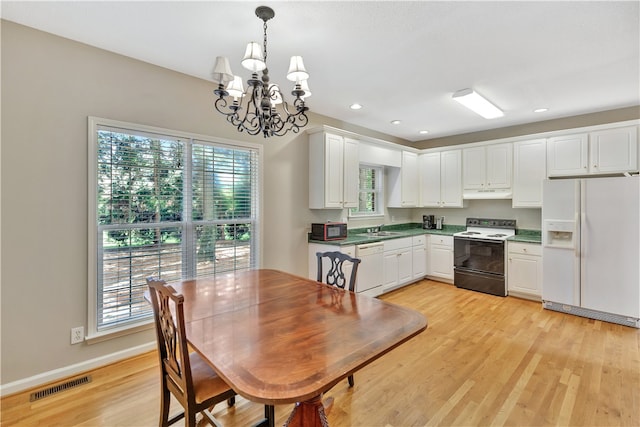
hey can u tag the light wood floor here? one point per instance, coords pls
(483, 360)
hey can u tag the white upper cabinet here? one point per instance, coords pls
(600, 152)
(614, 150)
(441, 179)
(487, 171)
(529, 171)
(333, 171)
(403, 182)
(568, 155)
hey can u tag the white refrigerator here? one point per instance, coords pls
(591, 248)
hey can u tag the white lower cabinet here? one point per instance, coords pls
(524, 270)
(398, 263)
(441, 257)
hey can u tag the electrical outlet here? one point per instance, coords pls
(77, 335)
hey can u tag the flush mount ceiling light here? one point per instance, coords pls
(476, 103)
(540, 110)
(355, 106)
(261, 113)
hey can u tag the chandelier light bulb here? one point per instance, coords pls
(297, 72)
(235, 88)
(253, 59)
(304, 85)
(222, 70)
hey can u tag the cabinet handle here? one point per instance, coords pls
(510, 259)
(488, 184)
(524, 249)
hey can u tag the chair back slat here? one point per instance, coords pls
(335, 275)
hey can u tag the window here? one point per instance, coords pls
(164, 204)
(370, 192)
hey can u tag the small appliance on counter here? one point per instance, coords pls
(439, 222)
(428, 222)
(326, 231)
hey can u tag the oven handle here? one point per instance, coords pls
(478, 272)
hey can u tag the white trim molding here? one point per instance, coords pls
(71, 370)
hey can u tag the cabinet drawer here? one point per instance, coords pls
(419, 240)
(524, 249)
(393, 244)
(442, 241)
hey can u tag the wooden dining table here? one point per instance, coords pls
(277, 338)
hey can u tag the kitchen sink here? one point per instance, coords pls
(380, 234)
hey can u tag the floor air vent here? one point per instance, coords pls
(59, 387)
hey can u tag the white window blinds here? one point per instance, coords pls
(169, 207)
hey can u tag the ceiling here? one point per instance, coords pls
(401, 60)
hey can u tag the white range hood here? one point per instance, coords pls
(506, 193)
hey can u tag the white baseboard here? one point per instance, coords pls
(68, 371)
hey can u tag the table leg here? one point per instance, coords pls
(269, 417)
(308, 413)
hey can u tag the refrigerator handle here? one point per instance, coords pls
(582, 235)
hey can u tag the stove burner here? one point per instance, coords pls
(496, 235)
(469, 233)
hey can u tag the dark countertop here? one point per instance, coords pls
(357, 236)
(527, 236)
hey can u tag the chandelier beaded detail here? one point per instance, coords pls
(264, 99)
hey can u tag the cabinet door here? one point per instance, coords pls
(567, 155)
(405, 265)
(614, 150)
(334, 171)
(451, 179)
(474, 168)
(441, 262)
(419, 261)
(430, 179)
(390, 269)
(525, 274)
(409, 179)
(499, 164)
(529, 171)
(351, 173)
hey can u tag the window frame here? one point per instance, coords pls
(379, 190)
(188, 224)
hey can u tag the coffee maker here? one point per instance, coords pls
(428, 222)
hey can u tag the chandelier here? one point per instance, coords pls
(266, 111)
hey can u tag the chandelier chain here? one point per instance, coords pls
(265, 41)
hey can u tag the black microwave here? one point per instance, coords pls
(328, 231)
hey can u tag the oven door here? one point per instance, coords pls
(486, 256)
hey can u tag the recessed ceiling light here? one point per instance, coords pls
(355, 106)
(540, 110)
(476, 103)
(395, 122)
(424, 132)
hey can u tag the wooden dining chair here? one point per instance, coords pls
(185, 375)
(335, 275)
